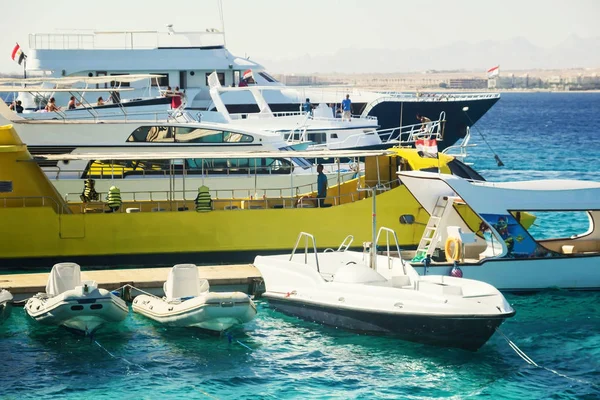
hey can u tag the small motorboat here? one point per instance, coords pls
(5, 304)
(75, 304)
(381, 294)
(189, 303)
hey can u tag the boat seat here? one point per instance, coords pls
(184, 281)
(132, 210)
(158, 209)
(232, 208)
(255, 207)
(63, 277)
(400, 281)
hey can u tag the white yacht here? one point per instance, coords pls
(497, 246)
(186, 59)
(242, 176)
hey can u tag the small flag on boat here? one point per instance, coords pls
(428, 147)
(494, 71)
(18, 55)
(247, 74)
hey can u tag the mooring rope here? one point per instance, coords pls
(145, 370)
(529, 361)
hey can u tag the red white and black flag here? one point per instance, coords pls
(493, 72)
(18, 55)
(428, 147)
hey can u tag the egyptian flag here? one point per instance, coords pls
(247, 74)
(494, 71)
(18, 55)
(428, 147)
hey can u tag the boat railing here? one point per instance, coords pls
(408, 134)
(34, 201)
(307, 237)
(124, 40)
(460, 151)
(437, 96)
(388, 251)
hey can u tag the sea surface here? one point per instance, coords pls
(536, 135)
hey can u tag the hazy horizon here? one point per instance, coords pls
(272, 31)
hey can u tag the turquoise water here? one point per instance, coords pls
(275, 356)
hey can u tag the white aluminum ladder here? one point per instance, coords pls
(431, 236)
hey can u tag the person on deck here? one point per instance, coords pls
(72, 103)
(307, 107)
(347, 108)
(16, 107)
(176, 99)
(100, 101)
(425, 122)
(321, 186)
(51, 106)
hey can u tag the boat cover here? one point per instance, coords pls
(63, 277)
(184, 281)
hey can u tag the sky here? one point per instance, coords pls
(279, 29)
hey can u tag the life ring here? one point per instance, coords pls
(456, 255)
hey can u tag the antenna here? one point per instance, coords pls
(222, 21)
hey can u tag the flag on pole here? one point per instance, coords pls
(493, 72)
(428, 147)
(247, 74)
(18, 55)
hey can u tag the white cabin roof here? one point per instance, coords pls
(154, 155)
(500, 197)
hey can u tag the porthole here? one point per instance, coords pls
(77, 308)
(96, 306)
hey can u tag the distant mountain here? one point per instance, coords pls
(513, 54)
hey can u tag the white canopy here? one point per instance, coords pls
(499, 198)
(71, 80)
(155, 155)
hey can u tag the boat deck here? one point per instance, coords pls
(244, 278)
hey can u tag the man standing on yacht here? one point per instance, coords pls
(321, 186)
(346, 108)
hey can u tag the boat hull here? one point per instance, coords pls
(214, 312)
(83, 314)
(577, 272)
(5, 305)
(464, 332)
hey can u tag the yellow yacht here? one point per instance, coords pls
(39, 228)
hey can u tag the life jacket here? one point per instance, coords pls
(89, 191)
(114, 198)
(203, 200)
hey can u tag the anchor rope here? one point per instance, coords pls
(529, 361)
(147, 371)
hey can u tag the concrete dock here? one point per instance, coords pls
(244, 278)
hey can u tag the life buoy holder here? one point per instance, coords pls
(457, 251)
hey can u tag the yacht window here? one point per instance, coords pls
(155, 134)
(201, 135)
(119, 84)
(334, 136)
(162, 81)
(545, 226)
(220, 75)
(318, 137)
(267, 77)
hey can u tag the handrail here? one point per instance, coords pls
(56, 206)
(389, 231)
(314, 242)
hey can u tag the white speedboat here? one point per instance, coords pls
(5, 304)
(75, 304)
(492, 242)
(381, 294)
(189, 303)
